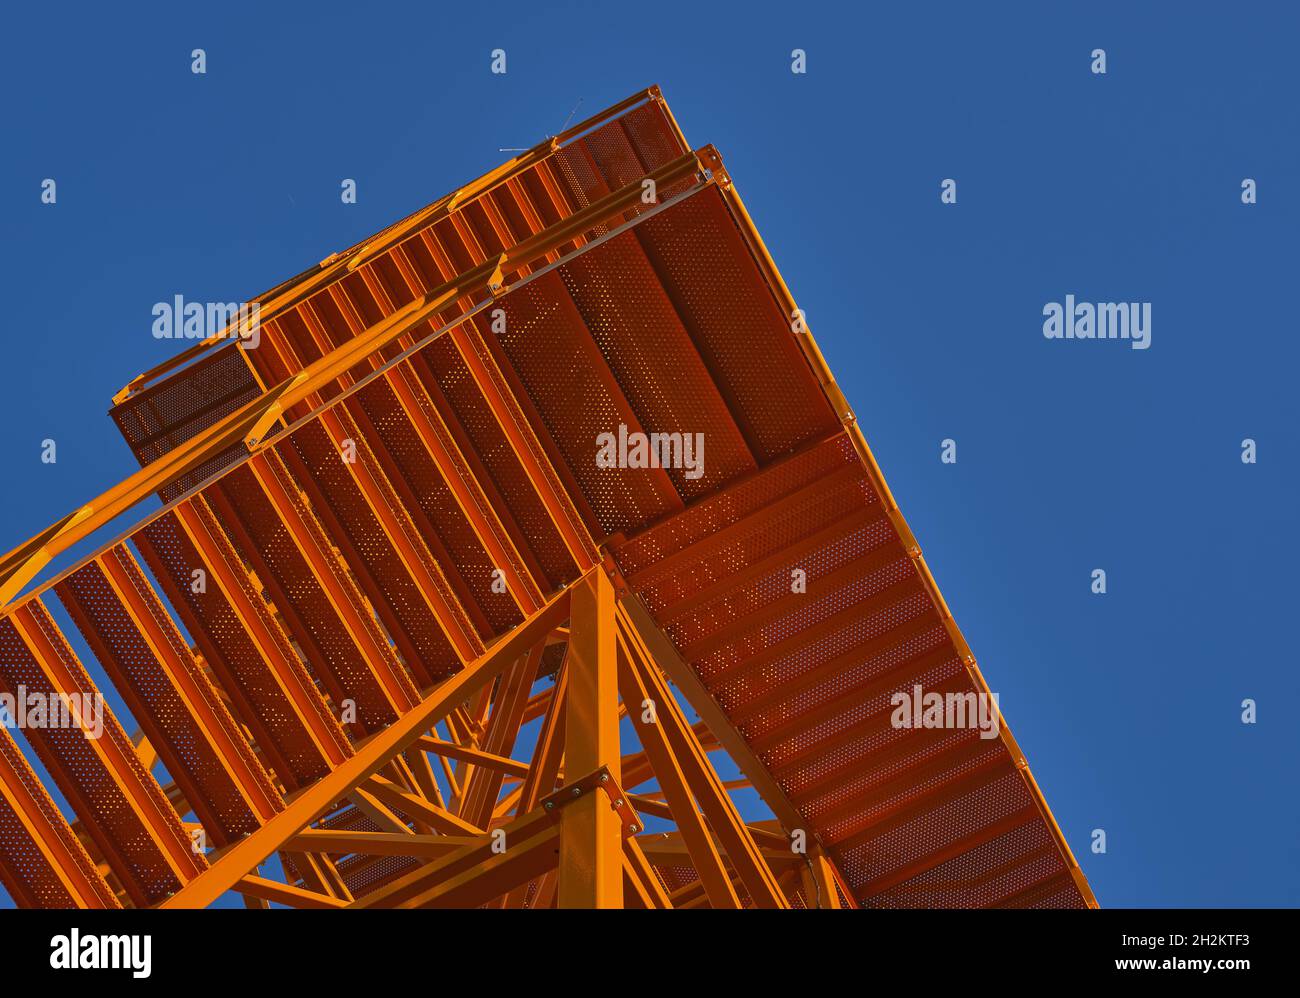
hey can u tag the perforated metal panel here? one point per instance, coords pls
(125, 624)
(461, 403)
(28, 835)
(364, 582)
(158, 418)
(559, 368)
(266, 542)
(808, 677)
(736, 324)
(258, 673)
(111, 814)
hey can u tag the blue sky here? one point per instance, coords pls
(1072, 455)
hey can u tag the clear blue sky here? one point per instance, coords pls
(1071, 455)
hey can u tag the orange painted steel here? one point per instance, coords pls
(45, 866)
(242, 641)
(387, 548)
(121, 808)
(590, 865)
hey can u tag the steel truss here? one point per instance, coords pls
(487, 759)
(580, 844)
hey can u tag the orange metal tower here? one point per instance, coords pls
(398, 625)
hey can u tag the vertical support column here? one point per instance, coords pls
(591, 841)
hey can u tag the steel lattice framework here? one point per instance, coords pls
(431, 625)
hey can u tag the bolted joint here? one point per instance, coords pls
(600, 779)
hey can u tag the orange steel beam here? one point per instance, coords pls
(716, 805)
(221, 739)
(551, 186)
(435, 438)
(397, 528)
(670, 849)
(540, 702)
(422, 772)
(154, 821)
(377, 810)
(767, 833)
(305, 807)
(636, 766)
(466, 729)
(376, 843)
(449, 771)
(641, 877)
(507, 766)
(320, 874)
(635, 894)
(284, 668)
(469, 467)
(667, 769)
(594, 362)
(819, 881)
(548, 751)
(528, 450)
(398, 772)
(286, 894)
(544, 767)
(289, 293)
(658, 795)
(144, 750)
(652, 806)
(396, 686)
(484, 783)
(487, 526)
(229, 498)
(781, 292)
(661, 651)
(251, 423)
(476, 873)
(259, 713)
(591, 834)
(393, 517)
(57, 871)
(440, 819)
